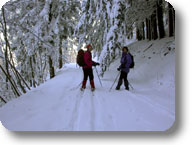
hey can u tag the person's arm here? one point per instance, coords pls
(95, 63)
(123, 62)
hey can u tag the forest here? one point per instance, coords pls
(37, 37)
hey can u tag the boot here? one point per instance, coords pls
(83, 85)
(126, 85)
(119, 85)
(92, 85)
(117, 88)
(127, 88)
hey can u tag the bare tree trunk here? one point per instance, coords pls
(160, 19)
(154, 26)
(6, 45)
(11, 82)
(143, 31)
(52, 73)
(51, 68)
(32, 72)
(60, 54)
(41, 69)
(138, 33)
(147, 28)
(18, 80)
(19, 75)
(171, 14)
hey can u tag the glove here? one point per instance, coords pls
(97, 63)
(118, 69)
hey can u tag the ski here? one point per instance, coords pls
(82, 89)
(81, 92)
(92, 91)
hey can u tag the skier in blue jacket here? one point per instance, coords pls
(126, 61)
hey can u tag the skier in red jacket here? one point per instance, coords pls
(87, 68)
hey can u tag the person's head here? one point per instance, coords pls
(125, 49)
(89, 47)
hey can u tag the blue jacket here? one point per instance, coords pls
(125, 62)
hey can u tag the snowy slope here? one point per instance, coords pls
(58, 105)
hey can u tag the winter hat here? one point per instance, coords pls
(126, 48)
(88, 46)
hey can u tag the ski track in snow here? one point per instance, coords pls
(97, 116)
(100, 113)
(154, 105)
(73, 124)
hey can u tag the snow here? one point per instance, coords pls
(58, 105)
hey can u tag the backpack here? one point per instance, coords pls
(80, 58)
(132, 63)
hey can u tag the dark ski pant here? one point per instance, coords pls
(122, 77)
(88, 72)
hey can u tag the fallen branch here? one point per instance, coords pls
(148, 47)
(3, 99)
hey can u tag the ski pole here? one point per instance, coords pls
(79, 85)
(98, 76)
(131, 86)
(114, 81)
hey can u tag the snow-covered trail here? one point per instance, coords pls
(59, 105)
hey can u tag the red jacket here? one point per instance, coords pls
(88, 60)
